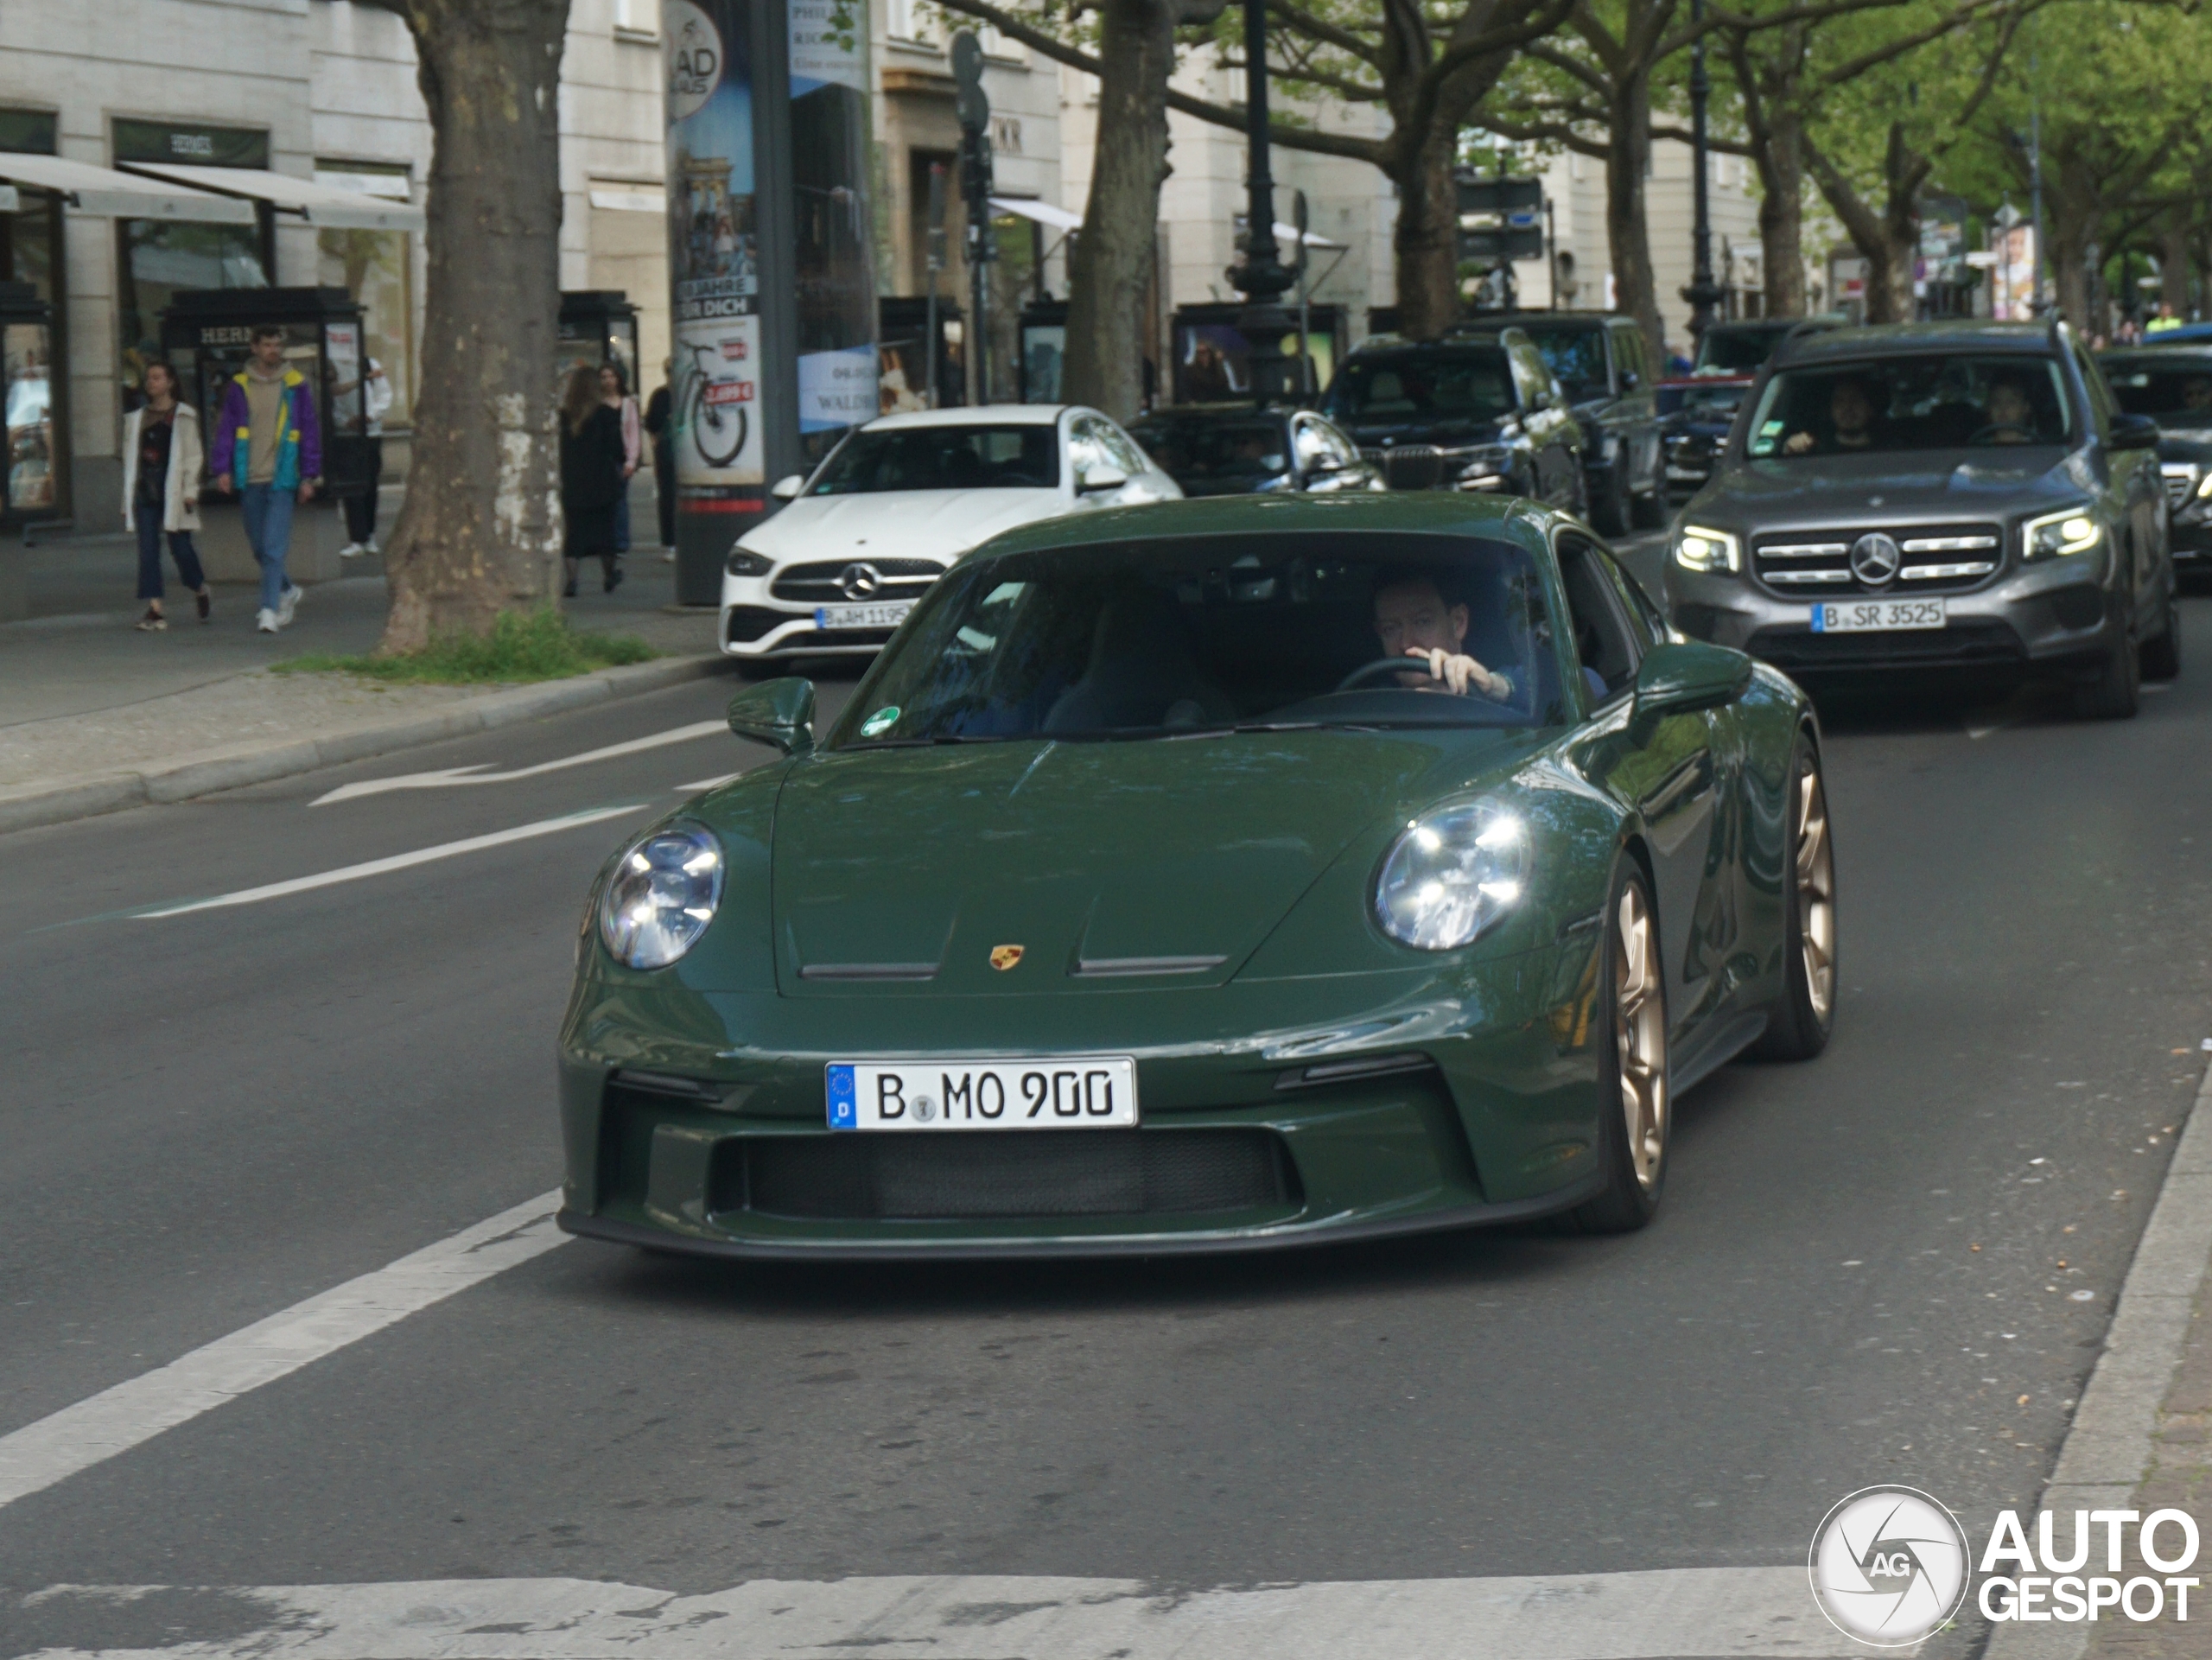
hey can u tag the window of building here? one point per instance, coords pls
(378, 269)
(639, 17)
(37, 422)
(158, 258)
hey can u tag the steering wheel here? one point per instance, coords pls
(1989, 434)
(1382, 666)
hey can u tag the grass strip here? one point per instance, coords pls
(522, 646)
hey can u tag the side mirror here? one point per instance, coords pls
(1675, 679)
(2135, 432)
(778, 713)
(1328, 461)
(787, 489)
(1100, 475)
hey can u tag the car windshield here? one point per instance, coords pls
(1199, 450)
(1011, 457)
(1911, 403)
(1736, 351)
(1576, 358)
(2178, 396)
(1157, 640)
(1465, 386)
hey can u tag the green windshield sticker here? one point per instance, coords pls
(882, 721)
(1771, 427)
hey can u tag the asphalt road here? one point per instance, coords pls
(1892, 1264)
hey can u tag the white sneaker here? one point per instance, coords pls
(352, 551)
(668, 556)
(265, 621)
(369, 546)
(289, 604)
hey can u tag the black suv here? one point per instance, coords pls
(1235, 449)
(1742, 347)
(1472, 411)
(1600, 361)
(2172, 384)
(1939, 495)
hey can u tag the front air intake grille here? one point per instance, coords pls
(1931, 559)
(974, 1175)
(843, 582)
(2181, 479)
(1418, 467)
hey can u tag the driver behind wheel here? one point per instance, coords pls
(1413, 620)
(2012, 413)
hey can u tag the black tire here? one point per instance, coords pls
(1626, 1202)
(2162, 652)
(1609, 510)
(1801, 1019)
(2114, 694)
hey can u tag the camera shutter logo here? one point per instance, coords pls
(1875, 558)
(1889, 1565)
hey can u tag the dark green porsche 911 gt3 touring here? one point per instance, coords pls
(1209, 875)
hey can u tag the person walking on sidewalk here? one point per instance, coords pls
(592, 478)
(361, 509)
(269, 448)
(615, 393)
(662, 430)
(162, 457)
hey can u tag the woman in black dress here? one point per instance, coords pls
(592, 460)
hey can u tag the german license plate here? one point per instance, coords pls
(886, 614)
(1876, 616)
(1066, 1092)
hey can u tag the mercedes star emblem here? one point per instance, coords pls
(858, 581)
(1875, 559)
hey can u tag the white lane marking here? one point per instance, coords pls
(451, 776)
(1708, 1612)
(116, 1420)
(397, 861)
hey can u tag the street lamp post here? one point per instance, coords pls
(1703, 293)
(1260, 276)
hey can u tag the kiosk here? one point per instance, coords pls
(600, 326)
(207, 334)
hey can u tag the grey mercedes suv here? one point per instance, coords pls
(1959, 495)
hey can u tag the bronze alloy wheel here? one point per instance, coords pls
(1640, 1035)
(1815, 889)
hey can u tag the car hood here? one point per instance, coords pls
(1934, 485)
(891, 865)
(898, 523)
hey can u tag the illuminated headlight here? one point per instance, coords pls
(2071, 531)
(2204, 489)
(744, 563)
(1698, 549)
(661, 896)
(1452, 875)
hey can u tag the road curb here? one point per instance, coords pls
(2112, 1442)
(28, 806)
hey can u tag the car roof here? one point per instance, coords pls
(2145, 356)
(1434, 513)
(978, 415)
(1894, 340)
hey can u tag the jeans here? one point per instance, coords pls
(622, 522)
(149, 555)
(269, 531)
(361, 509)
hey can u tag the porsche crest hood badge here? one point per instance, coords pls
(1005, 957)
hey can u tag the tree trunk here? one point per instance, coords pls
(2069, 258)
(1888, 238)
(2173, 262)
(480, 531)
(1782, 213)
(1627, 159)
(1111, 264)
(1426, 240)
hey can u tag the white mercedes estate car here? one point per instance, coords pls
(899, 499)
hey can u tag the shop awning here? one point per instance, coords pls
(319, 204)
(1060, 219)
(103, 190)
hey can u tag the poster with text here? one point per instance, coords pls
(835, 265)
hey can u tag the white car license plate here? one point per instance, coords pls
(887, 613)
(1063, 1093)
(1875, 616)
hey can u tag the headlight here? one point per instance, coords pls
(2074, 530)
(1698, 549)
(1453, 874)
(2205, 488)
(743, 563)
(661, 897)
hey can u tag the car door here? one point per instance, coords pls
(1635, 407)
(2135, 492)
(1665, 768)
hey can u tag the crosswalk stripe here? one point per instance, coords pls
(1715, 1613)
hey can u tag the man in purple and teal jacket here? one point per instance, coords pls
(268, 446)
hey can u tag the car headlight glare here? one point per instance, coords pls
(743, 563)
(2073, 531)
(1698, 549)
(660, 896)
(2204, 489)
(1452, 875)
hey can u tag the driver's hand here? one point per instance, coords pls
(1797, 443)
(1458, 671)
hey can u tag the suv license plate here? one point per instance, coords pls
(1876, 616)
(1064, 1092)
(887, 614)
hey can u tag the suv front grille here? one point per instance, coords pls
(967, 1174)
(823, 580)
(1418, 467)
(2181, 482)
(1936, 559)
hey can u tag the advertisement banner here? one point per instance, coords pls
(713, 258)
